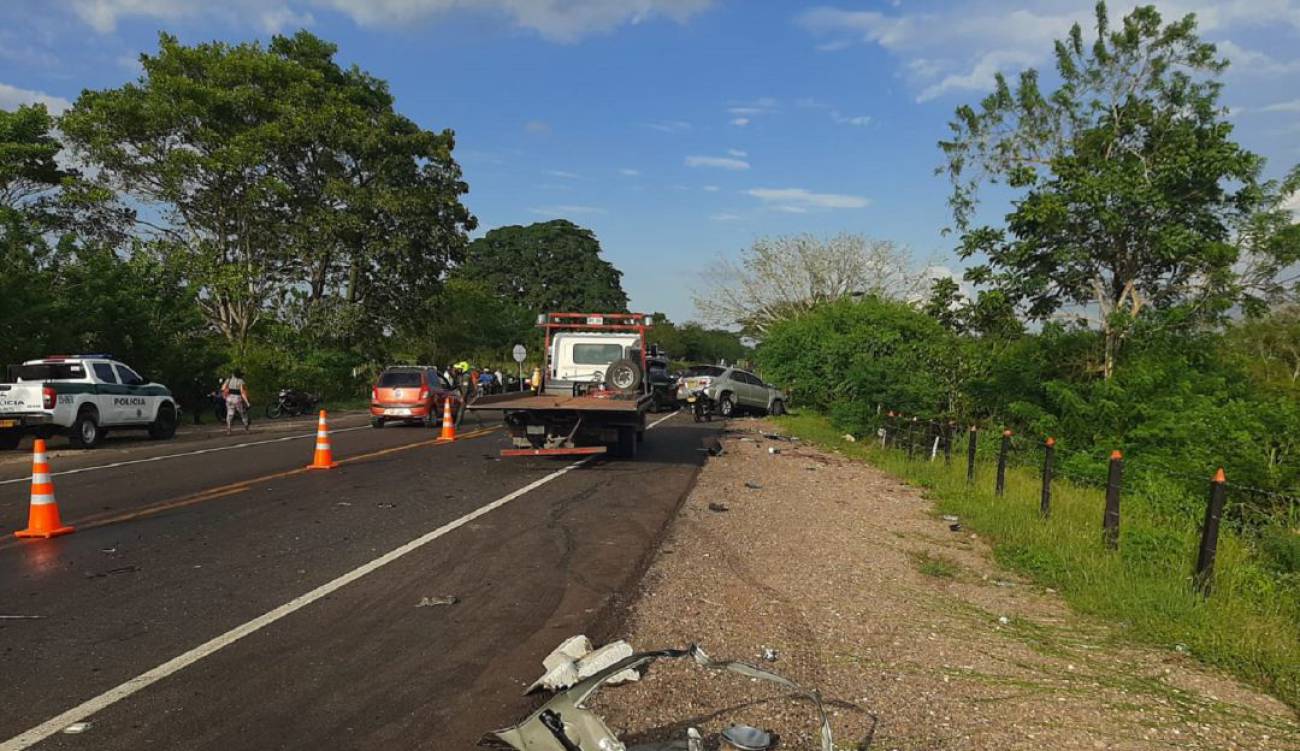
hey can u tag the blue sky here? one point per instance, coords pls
(679, 130)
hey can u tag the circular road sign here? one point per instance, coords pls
(520, 353)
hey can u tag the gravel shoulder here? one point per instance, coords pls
(913, 635)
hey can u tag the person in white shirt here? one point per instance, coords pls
(235, 390)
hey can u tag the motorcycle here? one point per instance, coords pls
(702, 407)
(291, 403)
(218, 404)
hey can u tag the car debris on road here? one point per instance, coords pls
(564, 723)
(429, 602)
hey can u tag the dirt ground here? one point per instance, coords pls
(913, 636)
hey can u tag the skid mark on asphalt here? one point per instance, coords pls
(180, 662)
(223, 491)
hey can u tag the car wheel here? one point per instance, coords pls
(376, 422)
(726, 407)
(778, 408)
(164, 425)
(9, 439)
(623, 375)
(85, 432)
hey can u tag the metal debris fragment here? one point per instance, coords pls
(565, 723)
(954, 527)
(753, 486)
(77, 728)
(747, 738)
(950, 518)
(428, 602)
(769, 654)
(773, 450)
(718, 508)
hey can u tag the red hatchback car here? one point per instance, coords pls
(411, 393)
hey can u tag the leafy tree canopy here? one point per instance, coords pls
(546, 267)
(1134, 195)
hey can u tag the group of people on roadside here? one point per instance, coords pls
(473, 381)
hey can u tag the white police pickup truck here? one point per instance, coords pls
(82, 396)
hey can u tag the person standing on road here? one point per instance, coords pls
(235, 390)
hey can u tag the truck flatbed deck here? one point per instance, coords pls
(528, 400)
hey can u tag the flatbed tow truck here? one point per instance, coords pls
(594, 394)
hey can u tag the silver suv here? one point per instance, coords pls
(732, 389)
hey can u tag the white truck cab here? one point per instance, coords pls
(81, 396)
(584, 356)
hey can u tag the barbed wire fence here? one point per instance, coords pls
(985, 444)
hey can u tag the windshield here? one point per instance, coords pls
(704, 370)
(59, 371)
(399, 378)
(596, 354)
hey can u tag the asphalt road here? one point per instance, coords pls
(218, 596)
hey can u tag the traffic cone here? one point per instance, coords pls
(43, 514)
(324, 458)
(448, 423)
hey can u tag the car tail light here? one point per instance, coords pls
(424, 394)
(706, 381)
(48, 397)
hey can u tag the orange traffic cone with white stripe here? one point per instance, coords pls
(43, 514)
(324, 458)
(448, 423)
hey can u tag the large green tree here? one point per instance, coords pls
(276, 178)
(546, 267)
(1132, 193)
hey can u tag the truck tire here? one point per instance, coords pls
(626, 446)
(85, 432)
(623, 375)
(777, 409)
(164, 425)
(376, 422)
(726, 406)
(9, 439)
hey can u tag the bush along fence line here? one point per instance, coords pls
(931, 440)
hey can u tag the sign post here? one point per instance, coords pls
(520, 354)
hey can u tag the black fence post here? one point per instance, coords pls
(947, 443)
(1210, 533)
(1003, 450)
(1049, 454)
(970, 454)
(1110, 522)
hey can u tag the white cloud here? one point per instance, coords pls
(725, 217)
(669, 126)
(721, 162)
(1293, 204)
(738, 153)
(566, 209)
(835, 45)
(537, 127)
(1291, 106)
(801, 199)
(12, 96)
(860, 121)
(555, 20)
(740, 122)
(561, 173)
(960, 49)
(630, 172)
(710, 189)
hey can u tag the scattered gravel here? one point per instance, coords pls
(914, 637)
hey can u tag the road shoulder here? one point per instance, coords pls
(911, 631)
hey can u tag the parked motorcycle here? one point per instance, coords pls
(218, 404)
(701, 406)
(292, 403)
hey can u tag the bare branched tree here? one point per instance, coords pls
(782, 276)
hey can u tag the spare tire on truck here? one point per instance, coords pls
(624, 375)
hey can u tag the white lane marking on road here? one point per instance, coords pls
(196, 452)
(180, 662)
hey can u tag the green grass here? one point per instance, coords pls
(938, 566)
(1249, 626)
